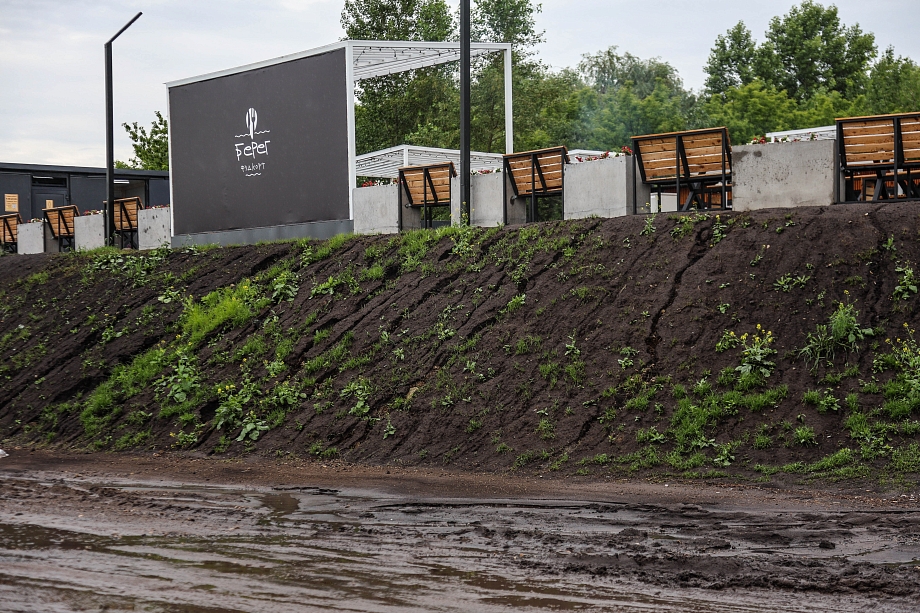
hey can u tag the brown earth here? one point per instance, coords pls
(168, 533)
(541, 349)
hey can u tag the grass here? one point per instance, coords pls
(235, 305)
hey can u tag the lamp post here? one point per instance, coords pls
(465, 109)
(109, 139)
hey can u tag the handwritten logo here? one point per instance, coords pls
(253, 148)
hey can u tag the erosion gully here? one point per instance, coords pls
(91, 541)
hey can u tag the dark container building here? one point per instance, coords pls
(29, 188)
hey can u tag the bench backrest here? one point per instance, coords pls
(684, 155)
(539, 171)
(427, 185)
(60, 220)
(910, 139)
(126, 213)
(867, 141)
(9, 228)
(883, 141)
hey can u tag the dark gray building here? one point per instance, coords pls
(29, 188)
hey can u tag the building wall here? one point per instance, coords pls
(20, 185)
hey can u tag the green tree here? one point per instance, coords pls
(506, 21)
(731, 60)
(751, 110)
(894, 85)
(808, 50)
(608, 71)
(391, 108)
(151, 150)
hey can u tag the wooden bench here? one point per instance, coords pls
(534, 174)
(126, 220)
(880, 157)
(698, 163)
(60, 221)
(426, 187)
(9, 232)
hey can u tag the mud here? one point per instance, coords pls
(104, 533)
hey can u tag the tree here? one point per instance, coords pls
(506, 21)
(151, 150)
(393, 107)
(608, 71)
(751, 110)
(731, 60)
(894, 85)
(808, 50)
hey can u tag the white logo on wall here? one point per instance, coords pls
(252, 149)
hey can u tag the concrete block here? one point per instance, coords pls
(31, 238)
(89, 232)
(605, 188)
(153, 228)
(783, 175)
(485, 200)
(376, 209)
(515, 209)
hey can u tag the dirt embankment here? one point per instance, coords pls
(665, 345)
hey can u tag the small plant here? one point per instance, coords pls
(253, 427)
(649, 228)
(756, 353)
(546, 429)
(907, 283)
(728, 341)
(804, 436)
(724, 455)
(389, 430)
(571, 349)
(723, 307)
(787, 282)
(360, 390)
(841, 332)
(628, 354)
(649, 436)
(284, 286)
(824, 402)
(179, 386)
(719, 230)
(513, 305)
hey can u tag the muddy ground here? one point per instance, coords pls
(102, 532)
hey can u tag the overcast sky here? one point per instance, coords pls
(51, 52)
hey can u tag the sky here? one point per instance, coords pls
(52, 91)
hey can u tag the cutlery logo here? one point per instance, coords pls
(252, 118)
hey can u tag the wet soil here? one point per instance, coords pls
(415, 355)
(100, 532)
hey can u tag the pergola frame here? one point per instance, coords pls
(385, 164)
(366, 59)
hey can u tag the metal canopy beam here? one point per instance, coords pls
(385, 164)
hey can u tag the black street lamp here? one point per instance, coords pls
(110, 137)
(465, 109)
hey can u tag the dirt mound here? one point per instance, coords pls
(669, 344)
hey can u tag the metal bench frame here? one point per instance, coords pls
(129, 232)
(65, 242)
(6, 229)
(885, 176)
(700, 188)
(536, 172)
(428, 204)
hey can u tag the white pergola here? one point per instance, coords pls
(365, 59)
(820, 133)
(385, 164)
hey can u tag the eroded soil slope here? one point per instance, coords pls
(670, 344)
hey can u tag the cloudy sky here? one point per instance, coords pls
(51, 51)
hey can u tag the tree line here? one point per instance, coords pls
(808, 69)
